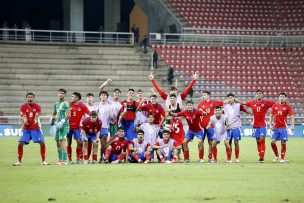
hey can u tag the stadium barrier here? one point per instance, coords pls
(68, 37)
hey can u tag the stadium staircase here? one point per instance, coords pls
(44, 69)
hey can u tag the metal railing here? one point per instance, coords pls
(227, 40)
(70, 37)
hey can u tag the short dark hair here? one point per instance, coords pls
(140, 90)
(30, 93)
(120, 128)
(218, 107)
(230, 95)
(166, 131)
(259, 91)
(173, 88)
(150, 115)
(131, 90)
(117, 90)
(77, 94)
(93, 113)
(189, 102)
(141, 131)
(103, 92)
(207, 92)
(89, 94)
(62, 90)
(283, 93)
(173, 95)
(153, 95)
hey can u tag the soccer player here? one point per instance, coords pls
(90, 131)
(116, 147)
(173, 90)
(78, 110)
(259, 109)
(166, 148)
(221, 125)
(140, 151)
(207, 105)
(105, 114)
(233, 111)
(61, 114)
(140, 117)
(192, 117)
(127, 115)
(30, 112)
(278, 123)
(116, 106)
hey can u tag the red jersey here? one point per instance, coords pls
(30, 112)
(77, 113)
(119, 145)
(157, 110)
(259, 110)
(131, 109)
(208, 107)
(192, 118)
(91, 127)
(280, 113)
(177, 131)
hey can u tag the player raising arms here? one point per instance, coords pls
(220, 125)
(61, 114)
(78, 110)
(180, 97)
(90, 130)
(30, 112)
(278, 123)
(192, 117)
(166, 148)
(207, 105)
(116, 147)
(140, 151)
(259, 109)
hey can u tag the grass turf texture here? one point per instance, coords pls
(247, 181)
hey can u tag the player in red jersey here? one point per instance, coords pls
(116, 147)
(192, 117)
(90, 130)
(30, 112)
(278, 123)
(78, 110)
(207, 105)
(259, 109)
(173, 90)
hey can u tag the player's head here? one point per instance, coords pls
(189, 105)
(173, 98)
(282, 97)
(173, 90)
(120, 132)
(206, 95)
(140, 93)
(140, 135)
(30, 97)
(61, 93)
(150, 118)
(116, 93)
(166, 135)
(259, 94)
(94, 116)
(153, 99)
(89, 98)
(218, 111)
(103, 95)
(131, 93)
(230, 97)
(76, 96)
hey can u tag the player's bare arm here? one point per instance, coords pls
(292, 122)
(271, 121)
(106, 83)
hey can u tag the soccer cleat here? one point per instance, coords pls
(237, 161)
(70, 162)
(140, 161)
(94, 162)
(59, 162)
(86, 162)
(79, 161)
(283, 161)
(261, 160)
(44, 163)
(147, 161)
(210, 161)
(187, 161)
(229, 161)
(18, 163)
(201, 161)
(115, 162)
(213, 161)
(162, 160)
(276, 159)
(105, 161)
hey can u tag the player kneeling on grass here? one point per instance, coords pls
(140, 151)
(221, 124)
(30, 112)
(166, 148)
(116, 147)
(91, 128)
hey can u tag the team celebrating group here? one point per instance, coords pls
(142, 129)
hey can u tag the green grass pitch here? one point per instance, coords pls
(247, 181)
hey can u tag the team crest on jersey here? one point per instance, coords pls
(79, 109)
(34, 110)
(27, 111)
(276, 108)
(211, 105)
(284, 108)
(263, 105)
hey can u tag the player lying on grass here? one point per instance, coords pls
(140, 151)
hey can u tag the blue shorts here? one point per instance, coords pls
(234, 134)
(152, 153)
(28, 135)
(104, 132)
(190, 135)
(113, 157)
(210, 133)
(91, 137)
(259, 132)
(140, 155)
(129, 129)
(279, 134)
(76, 134)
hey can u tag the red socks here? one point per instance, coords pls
(214, 152)
(275, 149)
(283, 150)
(237, 153)
(42, 152)
(122, 156)
(262, 148)
(94, 157)
(228, 152)
(85, 157)
(186, 155)
(201, 153)
(69, 152)
(78, 153)
(148, 156)
(108, 153)
(135, 156)
(20, 153)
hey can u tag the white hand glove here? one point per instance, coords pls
(60, 123)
